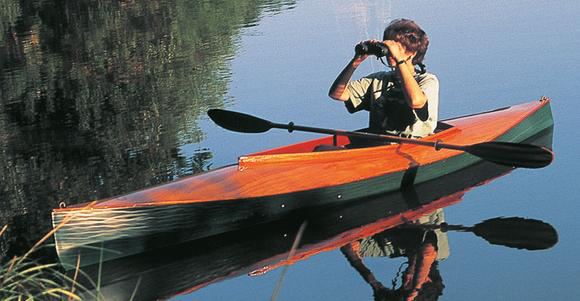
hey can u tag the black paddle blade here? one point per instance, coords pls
(512, 154)
(239, 122)
(517, 232)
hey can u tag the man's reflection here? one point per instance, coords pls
(423, 248)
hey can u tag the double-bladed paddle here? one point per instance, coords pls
(504, 153)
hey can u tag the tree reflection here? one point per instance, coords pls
(96, 97)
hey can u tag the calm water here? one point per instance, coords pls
(103, 98)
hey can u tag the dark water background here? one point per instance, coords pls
(99, 98)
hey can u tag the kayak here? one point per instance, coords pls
(268, 185)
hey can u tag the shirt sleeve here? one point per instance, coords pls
(360, 91)
(430, 87)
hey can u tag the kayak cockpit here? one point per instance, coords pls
(338, 142)
(334, 148)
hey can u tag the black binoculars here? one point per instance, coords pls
(377, 49)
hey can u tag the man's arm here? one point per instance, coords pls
(402, 61)
(338, 89)
(351, 252)
(413, 93)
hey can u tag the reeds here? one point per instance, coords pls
(23, 278)
(29, 280)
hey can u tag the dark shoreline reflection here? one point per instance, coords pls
(260, 249)
(97, 98)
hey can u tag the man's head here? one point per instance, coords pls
(409, 34)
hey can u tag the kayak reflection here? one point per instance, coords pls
(260, 249)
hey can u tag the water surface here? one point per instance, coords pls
(103, 98)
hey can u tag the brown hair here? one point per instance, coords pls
(408, 33)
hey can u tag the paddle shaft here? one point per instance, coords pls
(514, 232)
(436, 144)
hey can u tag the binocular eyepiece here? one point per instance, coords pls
(377, 49)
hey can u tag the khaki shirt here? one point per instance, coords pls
(381, 94)
(380, 244)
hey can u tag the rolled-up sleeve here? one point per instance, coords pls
(430, 87)
(361, 91)
(358, 91)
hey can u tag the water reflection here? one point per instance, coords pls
(423, 250)
(424, 243)
(97, 97)
(261, 249)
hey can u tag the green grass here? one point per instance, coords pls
(22, 278)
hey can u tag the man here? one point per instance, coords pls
(403, 101)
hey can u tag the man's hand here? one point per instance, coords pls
(397, 50)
